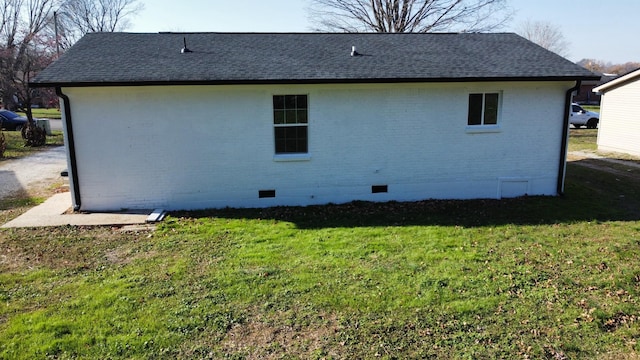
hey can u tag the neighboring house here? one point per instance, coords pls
(257, 120)
(619, 128)
(586, 96)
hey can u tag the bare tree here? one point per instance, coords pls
(408, 15)
(22, 42)
(24, 50)
(593, 65)
(76, 18)
(622, 69)
(24, 47)
(600, 66)
(28, 42)
(546, 35)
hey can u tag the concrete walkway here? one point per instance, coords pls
(55, 212)
(41, 170)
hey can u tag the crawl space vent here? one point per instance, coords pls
(266, 194)
(377, 189)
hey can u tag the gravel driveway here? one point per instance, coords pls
(22, 174)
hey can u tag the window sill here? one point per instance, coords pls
(481, 129)
(291, 157)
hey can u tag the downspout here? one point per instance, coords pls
(71, 148)
(562, 167)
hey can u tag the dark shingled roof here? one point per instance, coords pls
(265, 58)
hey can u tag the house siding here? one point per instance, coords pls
(195, 147)
(619, 128)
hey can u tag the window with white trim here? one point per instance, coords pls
(483, 109)
(291, 123)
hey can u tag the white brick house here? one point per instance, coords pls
(256, 120)
(619, 129)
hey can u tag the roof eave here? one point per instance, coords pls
(46, 84)
(619, 81)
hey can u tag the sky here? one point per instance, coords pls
(594, 29)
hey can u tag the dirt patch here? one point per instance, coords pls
(69, 247)
(618, 320)
(257, 339)
(632, 355)
(124, 255)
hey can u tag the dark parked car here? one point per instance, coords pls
(11, 120)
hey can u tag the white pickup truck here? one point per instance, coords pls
(580, 117)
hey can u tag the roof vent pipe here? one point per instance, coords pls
(185, 49)
(354, 52)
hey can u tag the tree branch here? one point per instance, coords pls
(409, 15)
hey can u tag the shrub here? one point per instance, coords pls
(33, 135)
(3, 143)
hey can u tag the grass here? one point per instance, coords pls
(583, 139)
(42, 113)
(538, 277)
(15, 144)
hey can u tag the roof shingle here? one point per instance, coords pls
(228, 58)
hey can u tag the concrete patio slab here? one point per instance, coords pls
(53, 212)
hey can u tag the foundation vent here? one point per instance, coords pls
(377, 189)
(266, 194)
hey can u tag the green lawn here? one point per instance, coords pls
(583, 139)
(586, 140)
(543, 278)
(15, 144)
(42, 113)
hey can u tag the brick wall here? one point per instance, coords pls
(212, 146)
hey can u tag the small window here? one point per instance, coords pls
(483, 109)
(290, 121)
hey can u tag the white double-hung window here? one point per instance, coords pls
(291, 123)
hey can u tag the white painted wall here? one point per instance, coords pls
(619, 128)
(190, 147)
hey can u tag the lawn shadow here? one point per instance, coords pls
(621, 159)
(10, 187)
(590, 195)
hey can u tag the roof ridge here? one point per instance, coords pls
(308, 33)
